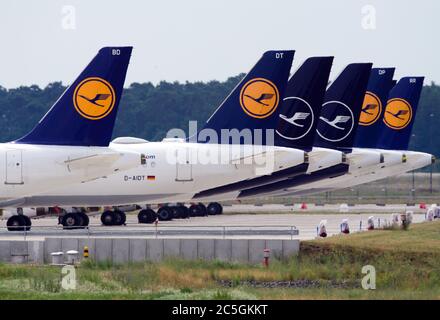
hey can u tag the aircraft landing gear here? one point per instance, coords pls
(85, 219)
(147, 216)
(120, 218)
(198, 210)
(214, 208)
(184, 212)
(19, 223)
(113, 218)
(165, 213)
(70, 220)
(74, 220)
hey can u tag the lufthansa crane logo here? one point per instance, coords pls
(336, 121)
(398, 114)
(371, 109)
(94, 98)
(297, 118)
(259, 98)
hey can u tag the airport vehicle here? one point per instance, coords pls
(175, 168)
(70, 144)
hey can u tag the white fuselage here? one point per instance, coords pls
(394, 163)
(409, 160)
(31, 169)
(172, 172)
(359, 160)
(318, 159)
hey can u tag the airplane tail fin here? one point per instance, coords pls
(255, 101)
(85, 113)
(302, 104)
(399, 114)
(379, 85)
(342, 106)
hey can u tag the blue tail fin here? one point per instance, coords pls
(255, 101)
(380, 83)
(302, 104)
(85, 114)
(342, 106)
(399, 115)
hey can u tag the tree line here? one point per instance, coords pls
(148, 111)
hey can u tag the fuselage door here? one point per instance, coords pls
(183, 164)
(14, 167)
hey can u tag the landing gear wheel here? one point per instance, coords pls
(214, 208)
(70, 221)
(27, 222)
(85, 219)
(176, 212)
(184, 212)
(120, 218)
(165, 214)
(203, 209)
(195, 211)
(108, 218)
(16, 223)
(147, 216)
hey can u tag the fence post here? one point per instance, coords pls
(430, 178)
(413, 190)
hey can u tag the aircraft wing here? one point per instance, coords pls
(12, 202)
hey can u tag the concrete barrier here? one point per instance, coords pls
(189, 249)
(240, 251)
(223, 249)
(205, 249)
(155, 249)
(103, 249)
(123, 250)
(171, 248)
(138, 250)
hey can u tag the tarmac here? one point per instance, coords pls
(237, 222)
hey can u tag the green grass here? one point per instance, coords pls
(407, 266)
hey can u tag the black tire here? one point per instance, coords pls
(176, 212)
(70, 221)
(16, 223)
(108, 218)
(79, 220)
(85, 219)
(203, 209)
(120, 218)
(214, 208)
(165, 214)
(147, 216)
(27, 222)
(195, 211)
(184, 212)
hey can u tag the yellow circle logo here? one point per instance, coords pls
(398, 114)
(259, 98)
(94, 98)
(371, 109)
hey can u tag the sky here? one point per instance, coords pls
(201, 40)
